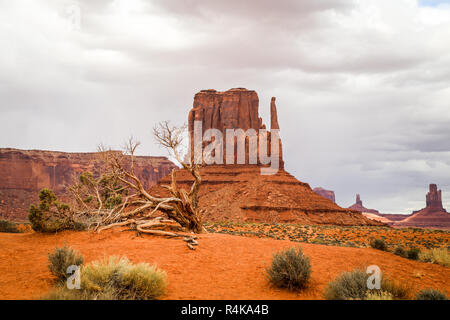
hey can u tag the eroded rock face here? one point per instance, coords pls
(233, 109)
(434, 197)
(358, 206)
(329, 194)
(24, 173)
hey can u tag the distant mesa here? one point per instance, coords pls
(358, 206)
(432, 216)
(328, 194)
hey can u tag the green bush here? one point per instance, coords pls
(413, 253)
(431, 294)
(8, 227)
(400, 251)
(52, 215)
(115, 279)
(378, 244)
(290, 269)
(61, 259)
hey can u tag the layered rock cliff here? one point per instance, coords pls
(236, 108)
(23, 173)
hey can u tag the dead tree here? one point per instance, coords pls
(137, 206)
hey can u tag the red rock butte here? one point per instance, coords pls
(25, 172)
(432, 216)
(233, 109)
(240, 192)
(358, 206)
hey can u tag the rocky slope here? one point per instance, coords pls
(24, 172)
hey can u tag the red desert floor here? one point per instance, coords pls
(223, 266)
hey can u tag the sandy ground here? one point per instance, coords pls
(223, 266)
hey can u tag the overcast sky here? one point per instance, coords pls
(362, 87)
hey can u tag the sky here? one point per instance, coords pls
(362, 87)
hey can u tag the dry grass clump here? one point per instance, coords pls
(9, 227)
(431, 294)
(378, 295)
(353, 286)
(115, 278)
(438, 255)
(348, 286)
(61, 259)
(290, 269)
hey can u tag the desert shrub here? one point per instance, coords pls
(115, 279)
(9, 227)
(353, 286)
(378, 295)
(51, 215)
(61, 259)
(413, 254)
(290, 269)
(438, 255)
(431, 294)
(378, 244)
(349, 285)
(399, 291)
(400, 251)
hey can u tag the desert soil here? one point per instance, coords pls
(223, 266)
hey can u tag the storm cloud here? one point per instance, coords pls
(362, 87)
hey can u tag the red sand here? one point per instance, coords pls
(223, 266)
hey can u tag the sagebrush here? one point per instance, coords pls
(115, 278)
(431, 294)
(352, 285)
(290, 269)
(61, 259)
(437, 255)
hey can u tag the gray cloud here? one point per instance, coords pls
(363, 89)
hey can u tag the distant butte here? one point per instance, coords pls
(358, 206)
(328, 194)
(432, 216)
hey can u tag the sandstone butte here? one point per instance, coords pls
(240, 192)
(25, 173)
(358, 206)
(432, 216)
